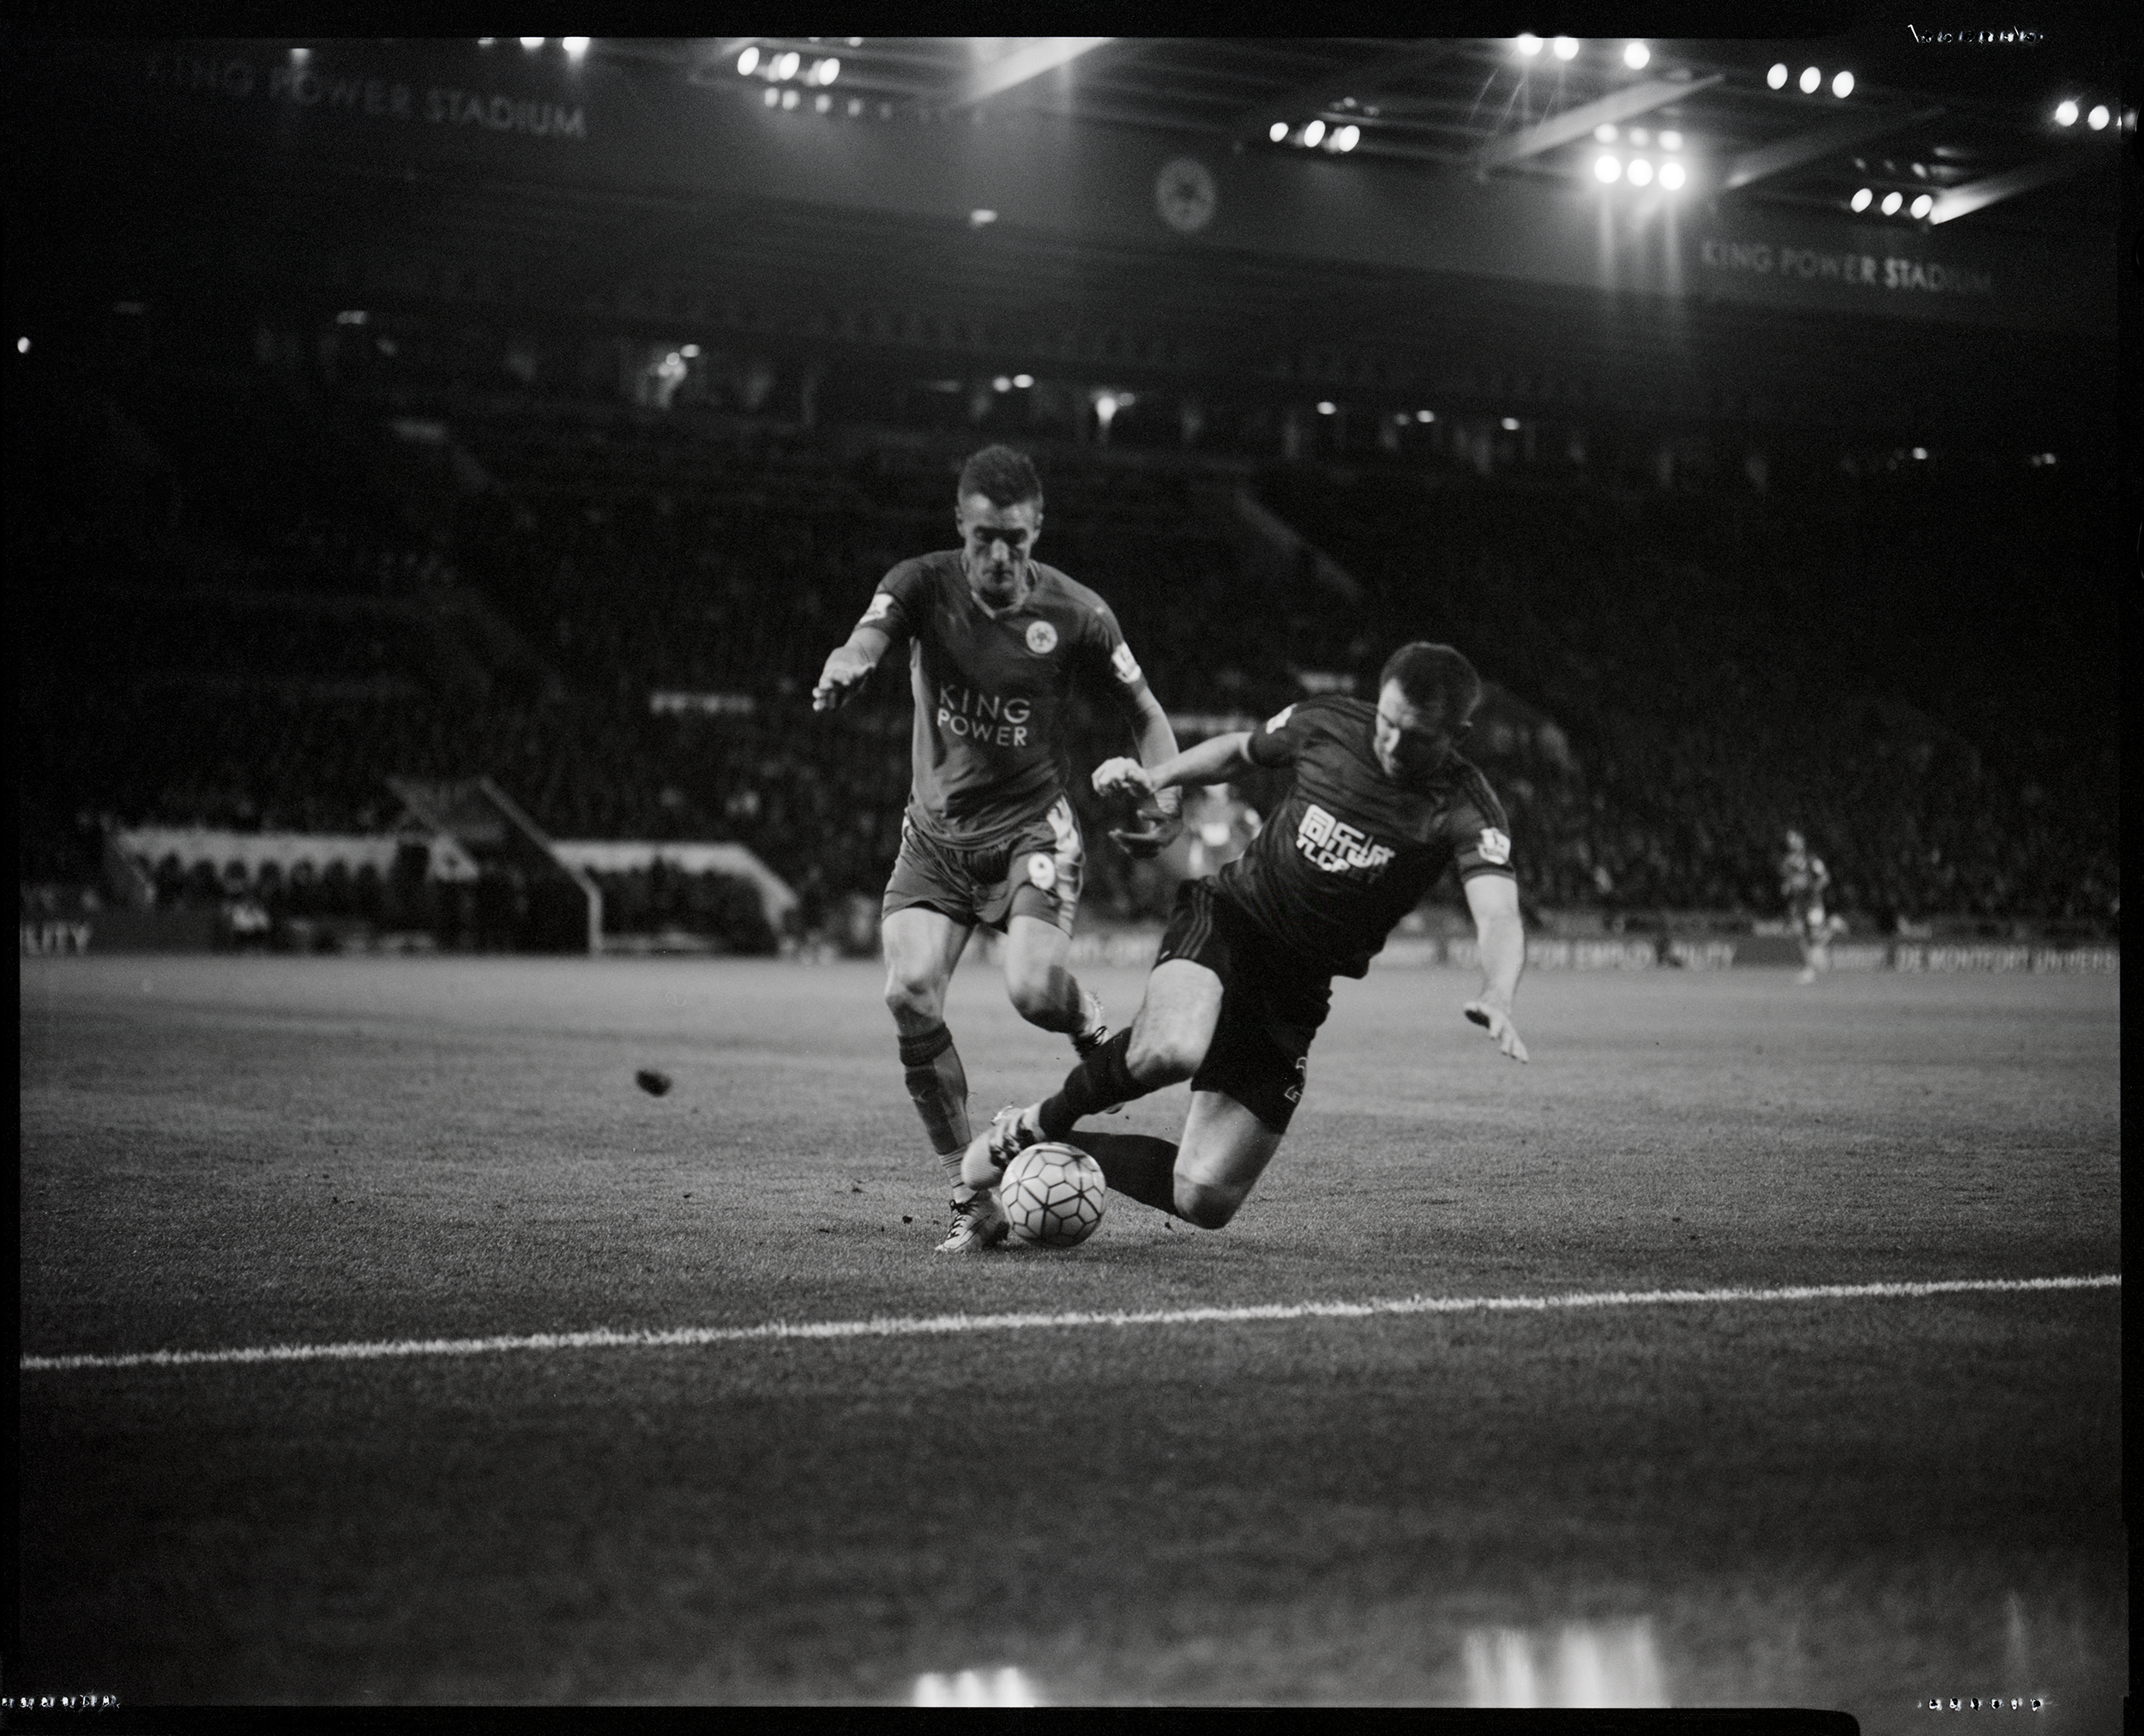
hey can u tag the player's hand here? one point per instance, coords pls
(840, 680)
(1158, 828)
(1497, 1022)
(1124, 777)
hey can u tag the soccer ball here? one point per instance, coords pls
(1053, 1196)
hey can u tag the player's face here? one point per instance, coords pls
(996, 542)
(1413, 743)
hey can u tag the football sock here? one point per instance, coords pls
(938, 1085)
(1136, 1165)
(1101, 1079)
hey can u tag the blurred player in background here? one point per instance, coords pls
(1380, 804)
(1802, 878)
(996, 641)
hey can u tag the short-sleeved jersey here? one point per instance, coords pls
(1350, 851)
(1803, 877)
(991, 691)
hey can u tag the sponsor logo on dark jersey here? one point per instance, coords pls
(1338, 847)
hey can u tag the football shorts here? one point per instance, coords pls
(1033, 871)
(1271, 1005)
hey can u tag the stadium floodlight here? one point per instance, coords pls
(1842, 86)
(1347, 138)
(1635, 55)
(575, 46)
(748, 63)
(689, 352)
(2066, 114)
(1607, 167)
(1326, 406)
(485, 41)
(1003, 383)
(1528, 43)
(1811, 77)
(772, 97)
(981, 218)
(1671, 140)
(1641, 171)
(1277, 131)
(22, 346)
(1023, 381)
(830, 70)
(1566, 47)
(1640, 137)
(1313, 133)
(301, 52)
(1891, 203)
(789, 98)
(1672, 176)
(1425, 415)
(822, 103)
(1511, 425)
(856, 105)
(531, 42)
(786, 64)
(1920, 452)
(1923, 205)
(2098, 120)
(1605, 132)
(1777, 77)
(1862, 199)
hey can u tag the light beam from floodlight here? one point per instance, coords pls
(1777, 77)
(1635, 55)
(1528, 43)
(1891, 200)
(1607, 168)
(2066, 114)
(1672, 176)
(1862, 199)
(1566, 47)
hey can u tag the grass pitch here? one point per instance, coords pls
(1855, 1502)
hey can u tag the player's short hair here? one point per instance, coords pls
(1436, 678)
(1005, 476)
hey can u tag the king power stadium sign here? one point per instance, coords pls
(1888, 273)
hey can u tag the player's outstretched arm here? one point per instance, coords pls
(847, 666)
(1493, 900)
(1161, 815)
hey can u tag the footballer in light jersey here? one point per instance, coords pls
(1381, 804)
(996, 642)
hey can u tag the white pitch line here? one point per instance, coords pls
(927, 1326)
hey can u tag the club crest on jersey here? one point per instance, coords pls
(1042, 638)
(1125, 665)
(1495, 847)
(1041, 871)
(1338, 847)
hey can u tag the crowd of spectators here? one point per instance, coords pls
(1720, 666)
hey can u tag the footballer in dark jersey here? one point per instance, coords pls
(996, 643)
(1381, 804)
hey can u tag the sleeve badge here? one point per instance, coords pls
(1495, 847)
(881, 606)
(1125, 665)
